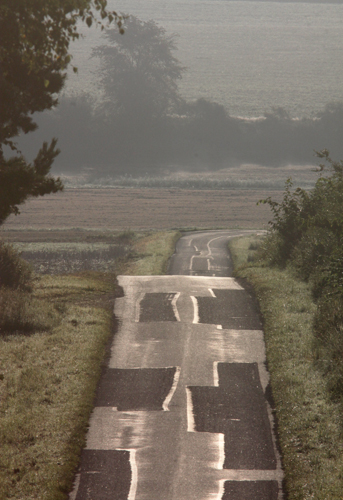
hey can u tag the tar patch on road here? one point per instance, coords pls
(233, 309)
(238, 410)
(135, 389)
(105, 475)
(256, 490)
(157, 307)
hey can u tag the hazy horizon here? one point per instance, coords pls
(128, 112)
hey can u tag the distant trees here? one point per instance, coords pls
(34, 55)
(139, 72)
(140, 124)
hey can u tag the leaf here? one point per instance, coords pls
(46, 83)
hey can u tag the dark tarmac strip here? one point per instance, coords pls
(138, 389)
(181, 412)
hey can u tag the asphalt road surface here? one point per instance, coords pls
(182, 413)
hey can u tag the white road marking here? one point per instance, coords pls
(221, 489)
(211, 292)
(190, 415)
(134, 477)
(172, 390)
(173, 303)
(196, 310)
(208, 265)
(213, 239)
(219, 327)
(221, 446)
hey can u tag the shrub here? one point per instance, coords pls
(307, 233)
(290, 217)
(312, 253)
(328, 329)
(21, 312)
(14, 271)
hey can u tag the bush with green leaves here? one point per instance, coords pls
(306, 233)
(15, 272)
(307, 228)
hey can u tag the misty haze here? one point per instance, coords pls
(200, 87)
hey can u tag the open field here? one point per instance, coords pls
(140, 209)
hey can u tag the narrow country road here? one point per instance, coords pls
(182, 413)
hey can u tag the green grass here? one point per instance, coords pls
(152, 253)
(52, 347)
(49, 374)
(309, 421)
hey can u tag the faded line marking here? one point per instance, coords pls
(208, 265)
(212, 292)
(138, 307)
(73, 493)
(166, 402)
(191, 263)
(190, 416)
(196, 309)
(252, 475)
(173, 303)
(215, 374)
(219, 327)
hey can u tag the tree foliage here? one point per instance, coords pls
(139, 72)
(34, 54)
(307, 234)
(308, 225)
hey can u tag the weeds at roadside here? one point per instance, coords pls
(309, 420)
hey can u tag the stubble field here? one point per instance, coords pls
(144, 209)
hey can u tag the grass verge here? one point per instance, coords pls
(51, 354)
(152, 253)
(309, 422)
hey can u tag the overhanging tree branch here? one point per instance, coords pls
(34, 55)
